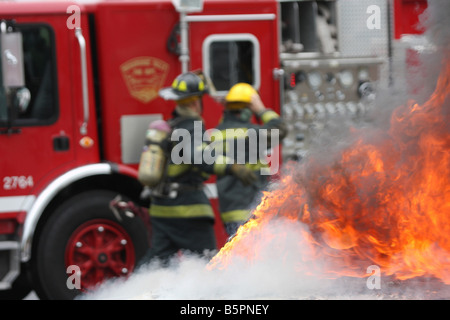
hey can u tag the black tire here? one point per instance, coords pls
(55, 243)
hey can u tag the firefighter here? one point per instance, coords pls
(182, 218)
(235, 198)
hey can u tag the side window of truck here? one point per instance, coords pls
(231, 58)
(40, 79)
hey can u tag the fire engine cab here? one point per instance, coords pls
(79, 85)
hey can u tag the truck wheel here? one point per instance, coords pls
(83, 235)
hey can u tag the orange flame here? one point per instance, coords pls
(384, 201)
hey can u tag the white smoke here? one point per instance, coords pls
(281, 272)
(273, 276)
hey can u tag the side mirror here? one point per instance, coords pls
(11, 58)
(23, 97)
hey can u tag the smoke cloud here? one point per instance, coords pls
(274, 275)
(280, 272)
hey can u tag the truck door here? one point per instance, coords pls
(230, 45)
(240, 46)
(35, 130)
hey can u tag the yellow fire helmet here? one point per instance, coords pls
(239, 96)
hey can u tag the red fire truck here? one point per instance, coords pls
(79, 85)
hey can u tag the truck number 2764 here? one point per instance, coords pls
(17, 182)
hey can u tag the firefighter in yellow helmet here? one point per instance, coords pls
(237, 130)
(182, 216)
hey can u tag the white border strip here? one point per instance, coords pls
(16, 203)
(231, 17)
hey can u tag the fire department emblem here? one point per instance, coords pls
(144, 76)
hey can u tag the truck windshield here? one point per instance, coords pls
(40, 80)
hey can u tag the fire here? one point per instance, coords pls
(384, 201)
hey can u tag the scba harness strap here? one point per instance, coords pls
(165, 188)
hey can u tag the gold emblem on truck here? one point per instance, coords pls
(144, 76)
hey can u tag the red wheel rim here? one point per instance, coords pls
(101, 249)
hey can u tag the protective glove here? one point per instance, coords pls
(244, 174)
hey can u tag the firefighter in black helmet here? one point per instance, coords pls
(235, 198)
(183, 218)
